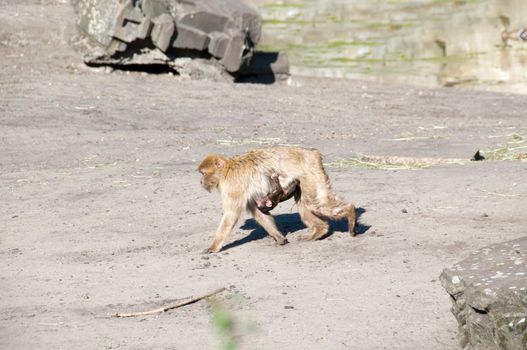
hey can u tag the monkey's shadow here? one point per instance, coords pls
(289, 223)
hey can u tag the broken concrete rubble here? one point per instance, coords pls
(217, 35)
(489, 297)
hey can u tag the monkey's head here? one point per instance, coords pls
(210, 169)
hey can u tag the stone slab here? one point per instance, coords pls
(489, 296)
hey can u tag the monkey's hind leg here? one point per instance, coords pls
(320, 199)
(317, 227)
(352, 221)
(336, 209)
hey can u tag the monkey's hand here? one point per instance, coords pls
(209, 250)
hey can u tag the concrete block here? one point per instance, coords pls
(163, 31)
(145, 28)
(218, 44)
(206, 21)
(232, 58)
(190, 38)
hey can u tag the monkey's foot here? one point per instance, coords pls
(282, 241)
(314, 235)
(210, 250)
(306, 237)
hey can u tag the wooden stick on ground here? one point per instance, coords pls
(169, 306)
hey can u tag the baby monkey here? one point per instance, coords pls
(281, 189)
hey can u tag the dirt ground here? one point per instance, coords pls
(101, 208)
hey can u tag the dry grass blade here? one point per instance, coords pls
(392, 163)
(509, 150)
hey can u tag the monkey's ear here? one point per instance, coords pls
(219, 162)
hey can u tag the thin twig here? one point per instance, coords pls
(169, 306)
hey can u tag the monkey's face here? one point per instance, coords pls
(209, 181)
(210, 169)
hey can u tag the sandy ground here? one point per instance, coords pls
(101, 208)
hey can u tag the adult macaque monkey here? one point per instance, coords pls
(243, 179)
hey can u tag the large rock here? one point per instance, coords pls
(489, 296)
(218, 33)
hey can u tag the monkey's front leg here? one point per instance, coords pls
(228, 220)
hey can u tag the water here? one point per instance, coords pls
(426, 42)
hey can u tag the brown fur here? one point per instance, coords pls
(244, 178)
(277, 194)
